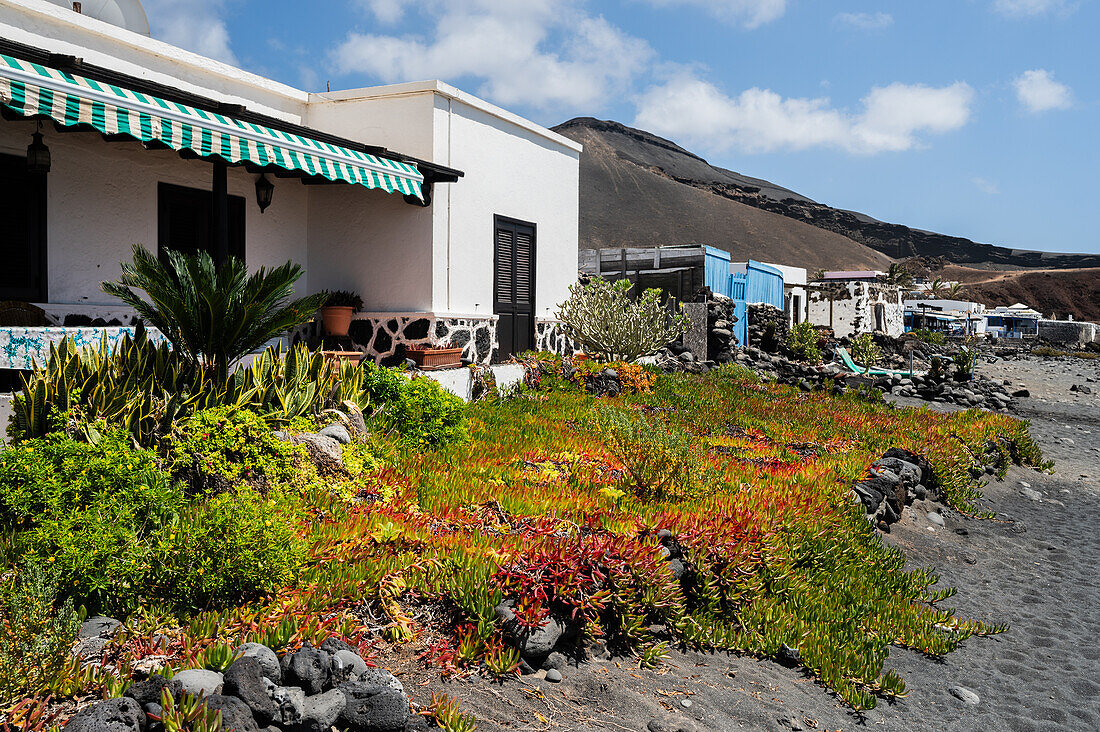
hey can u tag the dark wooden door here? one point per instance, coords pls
(186, 221)
(514, 286)
(22, 231)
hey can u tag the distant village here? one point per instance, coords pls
(893, 302)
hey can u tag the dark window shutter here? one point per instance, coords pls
(504, 257)
(514, 285)
(186, 221)
(524, 269)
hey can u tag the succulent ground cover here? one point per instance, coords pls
(710, 511)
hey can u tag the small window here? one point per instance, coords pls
(23, 237)
(186, 221)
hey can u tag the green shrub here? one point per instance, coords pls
(366, 456)
(865, 351)
(602, 317)
(234, 444)
(212, 315)
(802, 342)
(225, 549)
(35, 638)
(964, 363)
(660, 463)
(119, 533)
(930, 336)
(420, 410)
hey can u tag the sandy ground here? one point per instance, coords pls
(1035, 568)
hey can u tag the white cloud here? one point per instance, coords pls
(864, 21)
(542, 53)
(1039, 92)
(893, 117)
(1030, 8)
(196, 25)
(386, 11)
(986, 186)
(747, 13)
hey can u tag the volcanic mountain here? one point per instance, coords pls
(638, 189)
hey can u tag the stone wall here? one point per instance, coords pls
(1067, 332)
(386, 337)
(767, 327)
(549, 336)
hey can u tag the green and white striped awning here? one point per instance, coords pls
(30, 89)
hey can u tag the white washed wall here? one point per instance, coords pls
(510, 171)
(372, 242)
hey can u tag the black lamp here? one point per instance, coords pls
(265, 190)
(38, 155)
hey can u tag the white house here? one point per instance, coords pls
(959, 316)
(456, 221)
(796, 294)
(1012, 321)
(856, 302)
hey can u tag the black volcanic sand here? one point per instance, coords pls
(1034, 568)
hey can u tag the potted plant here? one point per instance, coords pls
(336, 313)
(429, 358)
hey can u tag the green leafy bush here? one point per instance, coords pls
(660, 462)
(225, 549)
(602, 317)
(420, 410)
(233, 444)
(119, 532)
(35, 638)
(802, 342)
(865, 351)
(930, 336)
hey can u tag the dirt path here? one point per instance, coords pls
(1035, 569)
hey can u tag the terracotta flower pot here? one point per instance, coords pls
(435, 358)
(337, 319)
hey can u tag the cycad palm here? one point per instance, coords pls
(212, 315)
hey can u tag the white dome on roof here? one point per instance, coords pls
(128, 14)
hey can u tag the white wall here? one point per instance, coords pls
(510, 171)
(402, 122)
(372, 242)
(102, 199)
(851, 308)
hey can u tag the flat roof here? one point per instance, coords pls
(443, 89)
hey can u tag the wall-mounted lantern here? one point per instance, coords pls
(265, 191)
(38, 155)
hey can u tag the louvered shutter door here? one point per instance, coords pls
(514, 286)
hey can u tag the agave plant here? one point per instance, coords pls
(212, 315)
(138, 384)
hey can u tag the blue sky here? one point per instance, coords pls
(977, 118)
